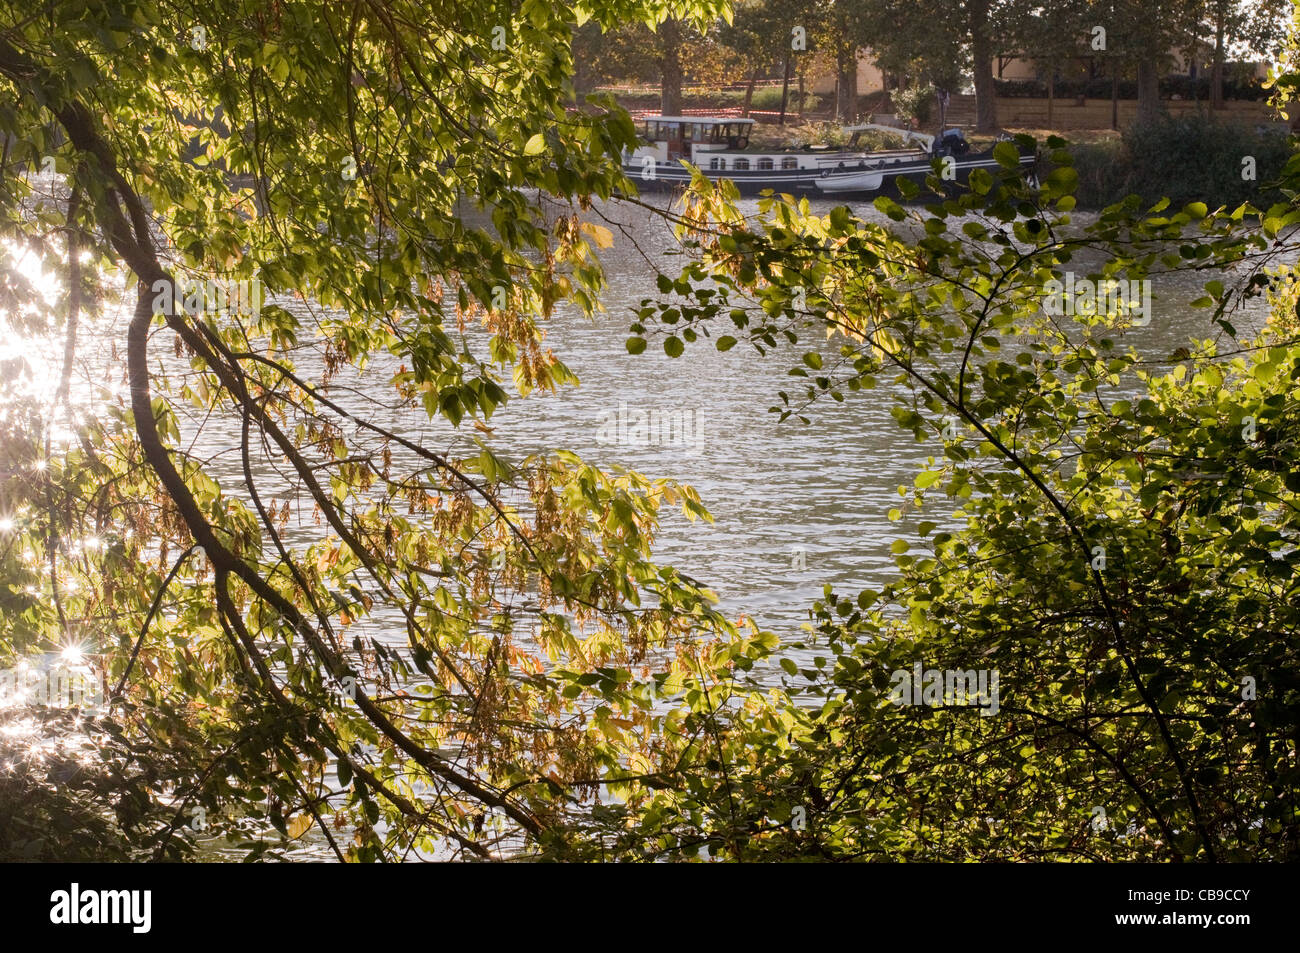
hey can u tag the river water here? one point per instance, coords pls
(796, 507)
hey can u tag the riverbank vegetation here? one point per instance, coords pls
(1190, 158)
(330, 636)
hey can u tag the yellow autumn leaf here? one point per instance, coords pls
(601, 235)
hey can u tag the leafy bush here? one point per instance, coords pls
(1184, 87)
(74, 790)
(769, 97)
(1065, 89)
(1020, 88)
(1198, 158)
(1193, 158)
(915, 102)
(1102, 172)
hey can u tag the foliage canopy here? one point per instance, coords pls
(410, 187)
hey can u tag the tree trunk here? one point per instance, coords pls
(670, 67)
(799, 102)
(1114, 97)
(846, 83)
(1051, 95)
(785, 86)
(583, 81)
(749, 94)
(986, 106)
(1216, 72)
(1148, 83)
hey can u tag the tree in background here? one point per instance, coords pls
(982, 36)
(849, 29)
(1051, 37)
(935, 41)
(1143, 38)
(670, 54)
(1242, 28)
(625, 53)
(762, 31)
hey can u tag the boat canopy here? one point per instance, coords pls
(703, 120)
(907, 135)
(695, 128)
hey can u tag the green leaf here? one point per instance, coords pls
(980, 182)
(887, 206)
(1062, 180)
(1007, 155)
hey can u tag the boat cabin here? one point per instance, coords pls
(720, 148)
(683, 137)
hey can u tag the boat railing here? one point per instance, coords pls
(923, 140)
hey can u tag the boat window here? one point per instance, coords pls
(741, 165)
(717, 163)
(765, 163)
(789, 162)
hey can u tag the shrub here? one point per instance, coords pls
(1199, 158)
(1102, 172)
(1020, 88)
(1242, 86)
(1064, 89)
(769, 97)
(1192, 158)
(915, 102)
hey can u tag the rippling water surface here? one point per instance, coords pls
(796, 507)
